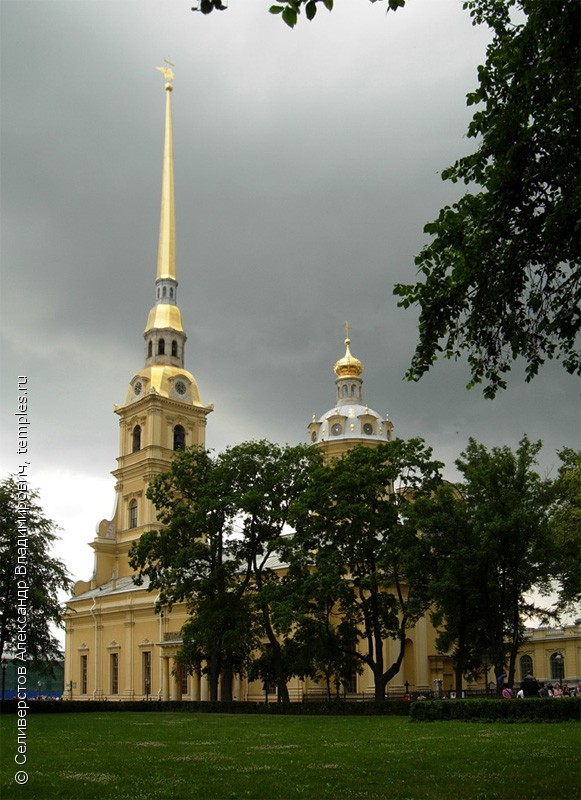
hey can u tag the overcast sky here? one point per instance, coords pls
(307, 163)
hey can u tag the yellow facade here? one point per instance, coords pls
(116, 645)
(552, 655)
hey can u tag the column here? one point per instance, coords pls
(176, 687)
(196, 687)
(204, 688)
(165, 677)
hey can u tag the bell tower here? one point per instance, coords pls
(162, 411)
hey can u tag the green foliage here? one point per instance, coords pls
(207, 6)
(456, 580)
(380, 540)
(493, 544)
(565, 709)
(357, 545)
(193, 559)
(502, 277)
(290, 10)
(223, 519)
(390, 708)
(25, 530)
(565, 526)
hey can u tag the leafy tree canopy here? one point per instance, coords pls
(289, 10)
(565, 526)
(357, 527)
(34, 582)
(506, 505)
(222, 519)
(501, 278)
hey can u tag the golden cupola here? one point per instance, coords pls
(348, 366)
(350, 422)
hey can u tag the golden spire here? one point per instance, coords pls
(166, 255)
(348, 366)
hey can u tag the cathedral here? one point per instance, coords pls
(116, 646)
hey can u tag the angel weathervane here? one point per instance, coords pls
(167, 71)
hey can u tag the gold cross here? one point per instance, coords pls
(347, 329)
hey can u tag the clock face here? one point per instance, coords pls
(337, 429)
(138, 388)
(368, 429)
(180, 387)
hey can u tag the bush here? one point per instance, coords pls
(563, 709)
(389, 708)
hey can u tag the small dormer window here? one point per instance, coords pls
(161, 347)
(368, 429)
(337, 429)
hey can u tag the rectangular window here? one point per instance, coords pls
(147, 673)
(184, 676)
(114, 673)
(84, 672)
(351, 685)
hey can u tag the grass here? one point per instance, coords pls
(177, 756)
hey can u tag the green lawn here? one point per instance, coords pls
(173, 756)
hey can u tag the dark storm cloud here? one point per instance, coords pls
(307, 163)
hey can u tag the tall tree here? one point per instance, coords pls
(30, 577)
(267, 479)
(222, 519)
(192, 559)
(457, 581)
(506, 506)
(357, 526)
(502, 277)
(565, 527)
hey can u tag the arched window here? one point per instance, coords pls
(179, 437)
(352, 390)
(149, 349)
(171, 293)
(557, 662)
(133, 514)
(161, 347)
(526, 667)
(164, 291)
(174, 348)
(136, 438)
(344, 391)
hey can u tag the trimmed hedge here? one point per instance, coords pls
(562, 709)
(399, 708)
